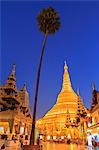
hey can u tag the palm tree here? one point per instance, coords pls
(48, 22)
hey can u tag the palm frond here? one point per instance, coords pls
(48, 20)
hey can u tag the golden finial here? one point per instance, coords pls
(65, 66)
(65, 63)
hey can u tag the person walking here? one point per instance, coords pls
(38, 140)
(93, 143)
(21, 141)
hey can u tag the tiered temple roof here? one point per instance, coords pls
(11, 98)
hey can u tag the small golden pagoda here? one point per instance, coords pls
(61, 119)
(15, 115)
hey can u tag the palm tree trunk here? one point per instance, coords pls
(32, 137)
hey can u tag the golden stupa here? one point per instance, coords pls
(60, 120)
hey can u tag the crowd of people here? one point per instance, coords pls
(24, 140)
(94, 144)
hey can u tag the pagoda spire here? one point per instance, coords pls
(93, 86)
(11, 81)
(78, 92)
(65, 66)
(13, 70)
(66, 80)
(24, 87)
(81, 109)
(94, 96)
(12, 75)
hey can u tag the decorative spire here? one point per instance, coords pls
(94, 100)
(93, 86)
(12, 75)
(24, 87)
(66, 80)
(65, 66)
(78, 92)
(13, 70)
(81, 109)
(11, 81)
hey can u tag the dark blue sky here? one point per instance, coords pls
(77, 42)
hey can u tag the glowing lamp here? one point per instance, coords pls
(48, 137)
(88, 115)
(62, 137)
(69, 137)
(41, 137)
(54, 137)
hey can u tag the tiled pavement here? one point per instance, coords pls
(52, 146)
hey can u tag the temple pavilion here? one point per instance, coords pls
(15, 115)
(62, 120)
